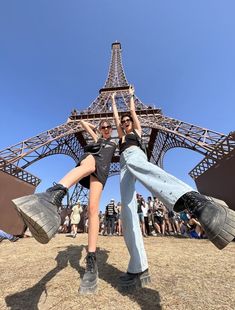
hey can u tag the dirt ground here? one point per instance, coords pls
(186, 274)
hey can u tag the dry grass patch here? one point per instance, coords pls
(186, 274)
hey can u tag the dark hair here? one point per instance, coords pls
(126, 115)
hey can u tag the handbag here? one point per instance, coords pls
(93, 148)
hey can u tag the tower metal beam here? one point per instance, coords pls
(160, 133)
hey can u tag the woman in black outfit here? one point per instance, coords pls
(40, 213)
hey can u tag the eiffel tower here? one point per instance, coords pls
(213, 175)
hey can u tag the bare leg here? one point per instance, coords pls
(119, 227)
(72, 229)
(157, 228)
(90, 278)
(168, 227)
(143, 229)
(93, 213)
(177, 226)
(73, 176)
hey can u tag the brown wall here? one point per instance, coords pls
(219, 181)
(10, 188)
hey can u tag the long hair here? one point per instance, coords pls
(101, 124)
(126, 114)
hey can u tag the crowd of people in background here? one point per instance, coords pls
(155, 220)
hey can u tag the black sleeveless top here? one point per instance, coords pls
(130, 140)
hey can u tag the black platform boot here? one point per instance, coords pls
(90, 279)
(40, 212)
(131, 281)
(217, 220)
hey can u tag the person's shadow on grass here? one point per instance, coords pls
(147, 298)
(28, 299)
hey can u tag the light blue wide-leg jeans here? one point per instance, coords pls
(130, 223)
(134, 165)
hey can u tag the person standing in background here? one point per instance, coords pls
(140, 203)
(119, 221)
(111, 217)
(75, 218)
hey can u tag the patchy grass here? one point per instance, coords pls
(186, 274)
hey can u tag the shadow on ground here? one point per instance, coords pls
(147, 298)
(28, 299)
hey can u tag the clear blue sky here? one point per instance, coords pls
(54, 56)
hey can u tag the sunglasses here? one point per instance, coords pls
(106, 127)
(125, 120)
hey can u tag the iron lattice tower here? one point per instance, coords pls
(160, 134)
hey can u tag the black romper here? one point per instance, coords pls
(102, 162)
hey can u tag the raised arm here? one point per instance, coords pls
(89, 129)
(134, 116)
(116, 116)
(91, 126)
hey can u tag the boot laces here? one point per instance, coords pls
(58, 192)
(90, 263)
(192, 201)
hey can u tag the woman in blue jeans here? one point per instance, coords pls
(170, 190)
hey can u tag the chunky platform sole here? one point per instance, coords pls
(83, 290)
(90, 288)
(135, 283)
(39, 215)
(227, 231)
